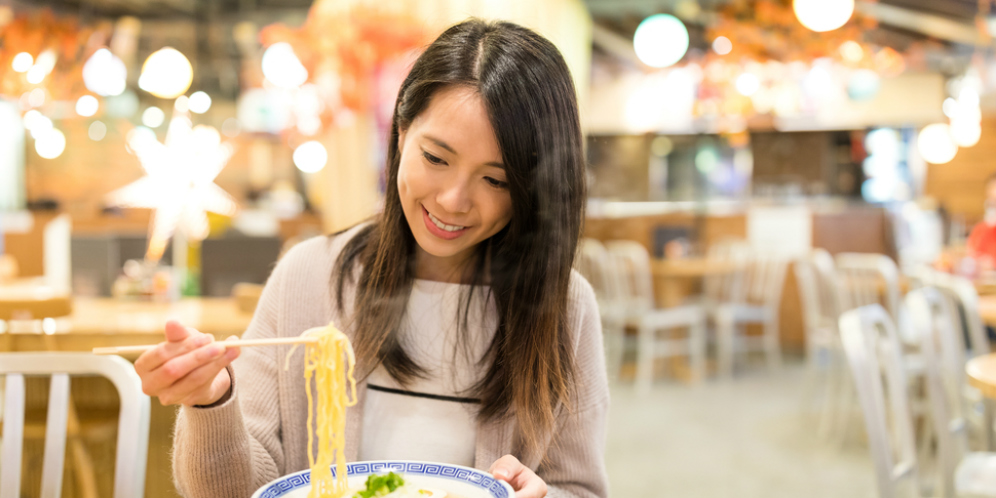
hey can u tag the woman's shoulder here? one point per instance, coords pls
(319, 251)
(582, 307)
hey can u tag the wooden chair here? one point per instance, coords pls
(631, 261)
(132, 429)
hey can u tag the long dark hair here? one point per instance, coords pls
(531, 102)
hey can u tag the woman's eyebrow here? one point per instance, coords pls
(449, 149)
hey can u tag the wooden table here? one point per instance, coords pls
(676, 279)
(981, 372)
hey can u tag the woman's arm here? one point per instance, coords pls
(575, 461)
(232, 448)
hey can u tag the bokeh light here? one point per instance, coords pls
(936, 144)
(153, 117)
(310, 157)
(282, 67)
(87, 106)
(167, 74)
(199, 102)
(823, 15)
(105, 74)
(660, 40)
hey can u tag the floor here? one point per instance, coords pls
(748, 438)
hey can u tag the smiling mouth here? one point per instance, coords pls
(443, 226)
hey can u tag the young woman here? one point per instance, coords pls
(476, 343)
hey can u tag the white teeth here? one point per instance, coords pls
(443, 226)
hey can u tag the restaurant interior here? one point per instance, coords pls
(790, 227)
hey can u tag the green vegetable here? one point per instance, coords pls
(381, 485)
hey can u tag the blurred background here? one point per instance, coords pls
(762, 174)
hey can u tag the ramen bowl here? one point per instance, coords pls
(455, 480)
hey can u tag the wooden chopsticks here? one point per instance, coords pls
(239, 343)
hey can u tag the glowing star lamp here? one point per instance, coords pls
(167, 74)
(660, 40)
(823, 15)
(179, 185)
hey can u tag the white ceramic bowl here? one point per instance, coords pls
(464, 482)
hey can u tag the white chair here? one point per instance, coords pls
(961, 473)
(874, 353)
(751, 295)
(963, 291)
(596, 266)
(826, 365)
(632, 261)
(133, 421)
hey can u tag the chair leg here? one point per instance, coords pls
(697, 346)
(615, 348)
(725, 337)
(772, 349)
(644, 358)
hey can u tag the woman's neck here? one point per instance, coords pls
(453, 269)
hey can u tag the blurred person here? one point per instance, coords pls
(476, 343)
(981, 243)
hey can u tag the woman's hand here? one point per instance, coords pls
(524, 481)
(187, 369)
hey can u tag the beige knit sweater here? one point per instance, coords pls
(260, 432)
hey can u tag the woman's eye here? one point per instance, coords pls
(496, 183)
(432, 159)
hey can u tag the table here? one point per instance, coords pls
(981, 372)
(676, 279)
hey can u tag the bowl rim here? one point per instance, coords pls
(510, 493)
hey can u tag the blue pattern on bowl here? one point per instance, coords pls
(481, 480)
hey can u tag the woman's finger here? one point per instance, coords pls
(155, 357)
(176, 368)
(195, 387)
(506, 467)
(528, 485)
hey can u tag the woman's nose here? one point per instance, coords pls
(455, 197)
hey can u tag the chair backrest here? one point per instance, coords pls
(133, 419)
(829, 283)
(596, 265)
(868, 279)
(632, 262)
(874, 353)
(944, 356)
(729, 287)
(967, 298)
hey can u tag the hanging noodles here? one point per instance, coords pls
(323, 361)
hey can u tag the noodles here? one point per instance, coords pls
(330, 362)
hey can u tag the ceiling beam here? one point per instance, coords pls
(928, 24)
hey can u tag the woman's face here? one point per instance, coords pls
(451, 180)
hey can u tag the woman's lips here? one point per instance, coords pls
(439, 232)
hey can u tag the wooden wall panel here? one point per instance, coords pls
(959, 185)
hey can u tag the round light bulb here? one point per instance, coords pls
(87, 106)
(167, 74)
(282, 67)
(50, 144)
(823, 15)
(153, 117)
(935, 144)
(310, 157)
(660, 40)
(199, 102)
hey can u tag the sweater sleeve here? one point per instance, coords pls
(574, 465)
(231, 449)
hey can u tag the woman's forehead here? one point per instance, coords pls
(457, 121)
